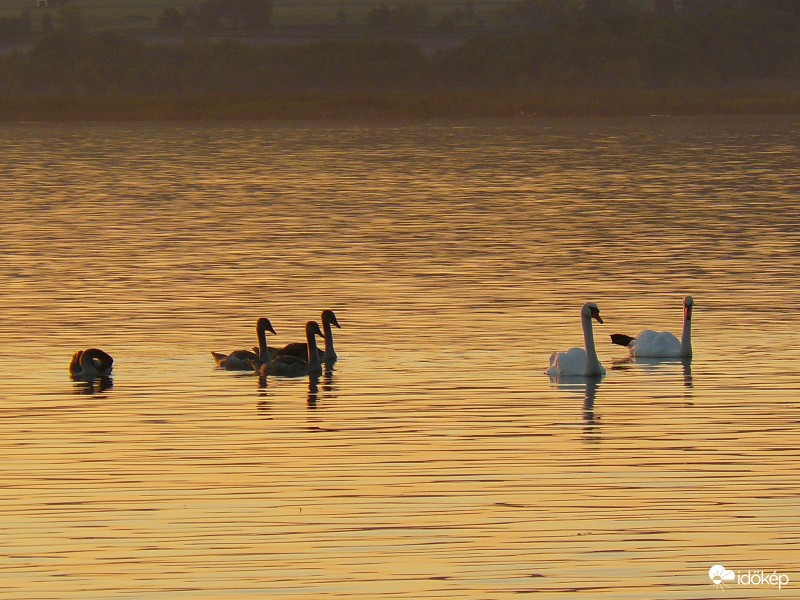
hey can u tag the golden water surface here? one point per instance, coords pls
(436, 460)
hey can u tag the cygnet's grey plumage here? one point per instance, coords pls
(239, 360)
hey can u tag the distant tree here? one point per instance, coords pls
(25, 21)
(606, 9)
(252, 13)
(731, 42)
(70, 19)
(354, 65)
(664, 7)
(380, 17)
(400, 18)
(8, 28)
(210, 14)
(452, 20)
(447, 24)
(469, 10)
(170, 19)
(598, 9)
(707, 7)
(787, 7)
(544, 13)
(116, 61)
(409, 17)
(46, 22)
(15, 27)
(205, 15)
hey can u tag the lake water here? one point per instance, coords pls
(436, 460)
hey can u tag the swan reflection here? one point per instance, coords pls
(91, 385)
(264, 408)
(264, 403)
(315, 385)
(313, 392)
(326, 385)
(686, 364)
(327, 378)
(653, 365)
(587, 387)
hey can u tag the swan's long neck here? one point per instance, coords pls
(94, 359)
(263, 353)
(75, 364)
(686, 336)
(327, 330)
(313, 353)
(104, 360)
(592, 362)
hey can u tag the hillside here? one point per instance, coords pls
(349, 15)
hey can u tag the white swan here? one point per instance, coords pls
(661, 344)
(582, 362)
(287, 365)
(91, 363)
(239, 360)
(300, 349)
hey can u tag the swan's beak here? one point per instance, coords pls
(266, 325)
(329, 317)
(687, 313)
(596, 315)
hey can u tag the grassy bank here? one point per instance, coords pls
(401, 105)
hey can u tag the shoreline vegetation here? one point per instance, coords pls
(398, 105)
(227, 60)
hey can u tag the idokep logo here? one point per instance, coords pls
(719, 576)
(723, 578)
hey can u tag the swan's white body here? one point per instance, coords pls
(582, 362)
(655, 344)
(239, 360)
(663, 344)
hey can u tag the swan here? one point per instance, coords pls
(582, 362)
(661, 344)
(91, 363)
(300, 349)
(287, 365)
(239, 360)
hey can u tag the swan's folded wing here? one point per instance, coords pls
(656, 344)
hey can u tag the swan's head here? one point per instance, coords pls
(590, 310)
(312, 328)
(328, 316)
(688, 304)
(263, 324)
